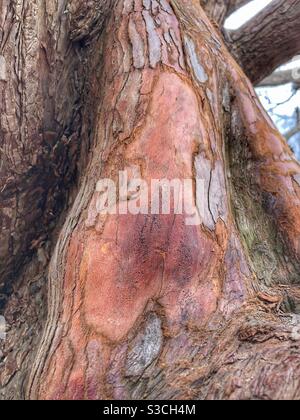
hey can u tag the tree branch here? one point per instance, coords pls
(269, 39)
(279, 78)
(292, 132)
(219, 10)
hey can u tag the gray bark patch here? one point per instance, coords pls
(3, 75)
(214, 201)
(145, 347)
(154, 44)
(138, 51)
(194, 62)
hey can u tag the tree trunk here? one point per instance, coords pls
(145, 306)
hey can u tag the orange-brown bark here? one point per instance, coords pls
(137, 304)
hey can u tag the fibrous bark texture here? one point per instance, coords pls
(144, 306)
(38, 124)
(46, 113)
(42, 83)
(269, 40)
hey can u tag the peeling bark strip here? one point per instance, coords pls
(3, 71)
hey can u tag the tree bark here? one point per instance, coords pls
(147, 307)
(39, 127)
(46, 112)
(269, 39)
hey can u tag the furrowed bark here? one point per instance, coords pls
(46, 112)
(268, 40)
(38, 127)
(42, 80)
(145, 306)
